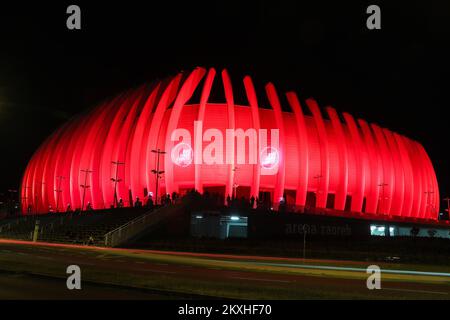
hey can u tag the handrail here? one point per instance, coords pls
(129, 222)
(137, 225)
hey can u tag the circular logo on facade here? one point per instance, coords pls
(269, 158)
(182, 154)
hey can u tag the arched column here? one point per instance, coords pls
(109, 148)
(303, 150)
(230, 157)
(183, 96)
(358, 193)
(134, 165)
(49, 173)
(166, 99)
(417, 177)
(123, 144)
(433, 190)
(253, 102)
(375, 167)
(388, 172)
(408, 177)
(92, 150)
(324, 175)
(398, 194)
(201, 118)
(42, 168)
(76, 176)
(342, 190)
(96, 161)
(276, 106)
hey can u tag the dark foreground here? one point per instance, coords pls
(22, 286)
(38, 271)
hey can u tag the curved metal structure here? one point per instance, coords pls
(324, 160)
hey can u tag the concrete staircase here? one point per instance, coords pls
(133, 229)
(70, 227)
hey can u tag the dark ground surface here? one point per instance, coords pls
(168, 276)
(17, 286)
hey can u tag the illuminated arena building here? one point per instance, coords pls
(322, 159)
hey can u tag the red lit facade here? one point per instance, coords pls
(326, 160)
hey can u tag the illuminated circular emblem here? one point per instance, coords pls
(269, 158)
(182, 154)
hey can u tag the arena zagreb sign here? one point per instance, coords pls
(258, 151)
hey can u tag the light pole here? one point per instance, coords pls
(235, 185)
(318, 178)
(11, 193)
(448, 205)
(28, 200)
(428, 204)
(12, 200)
(58, 191)
(84, 186)
(116, 179)
(382, 186)
(157, 172)
(22, 203)
(37, 195)
(304, 241)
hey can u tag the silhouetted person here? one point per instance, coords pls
(69, 208)
(259, 203)
(228, 201)
(282, 206)
(243, 202)
(89, 207)
(252, 202)
(138, 203)
(150, 202)
(120, 203)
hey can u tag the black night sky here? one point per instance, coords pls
(396, 77)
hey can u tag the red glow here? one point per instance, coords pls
(382, 172)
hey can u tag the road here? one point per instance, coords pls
(15, 286)
(145, 274)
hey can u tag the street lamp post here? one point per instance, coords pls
(12, 201)
(448, 205)
(116, 179)
(382, 186)
(36, 207)
(428, 204)
(84, 186)
(157, 172)
(22, 202)
(27, 199)
(304, 241)
(58, 191)
(319, 191)
(235, 185)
